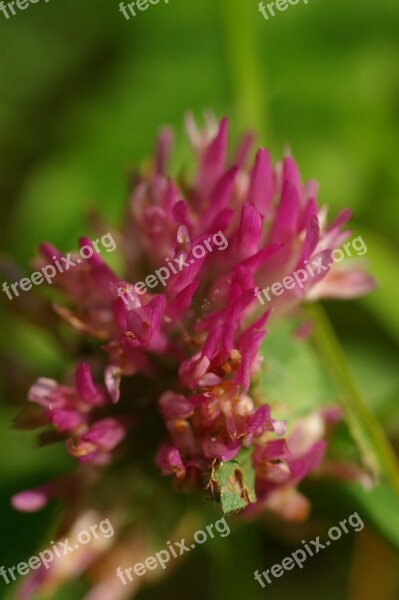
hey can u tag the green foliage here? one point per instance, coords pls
(83, 92)
(293, 379)
(235, 481)
(381, 505)
(377, 453)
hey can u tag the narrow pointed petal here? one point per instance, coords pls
(261, 189)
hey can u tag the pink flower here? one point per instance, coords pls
(220, 237)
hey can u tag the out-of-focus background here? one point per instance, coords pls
(83, 92)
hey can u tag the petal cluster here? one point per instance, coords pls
(183, 347)
(202, 323)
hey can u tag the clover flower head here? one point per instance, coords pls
(171, 378)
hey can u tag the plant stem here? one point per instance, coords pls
(377, 451)
(243, 63)
(248, 82)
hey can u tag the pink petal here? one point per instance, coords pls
(214, 159)
(286, 220)
(261, 189)
(85, 386)
(106, 434)
(30, 500)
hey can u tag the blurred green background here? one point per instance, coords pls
(83, 92)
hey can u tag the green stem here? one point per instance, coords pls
(243, 62)
(239, 30)
(377, 451)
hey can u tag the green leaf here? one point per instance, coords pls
(383, 260)
(376, 451)
(375, 368)
(293, 379)
(236, 481)
(382, 508)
